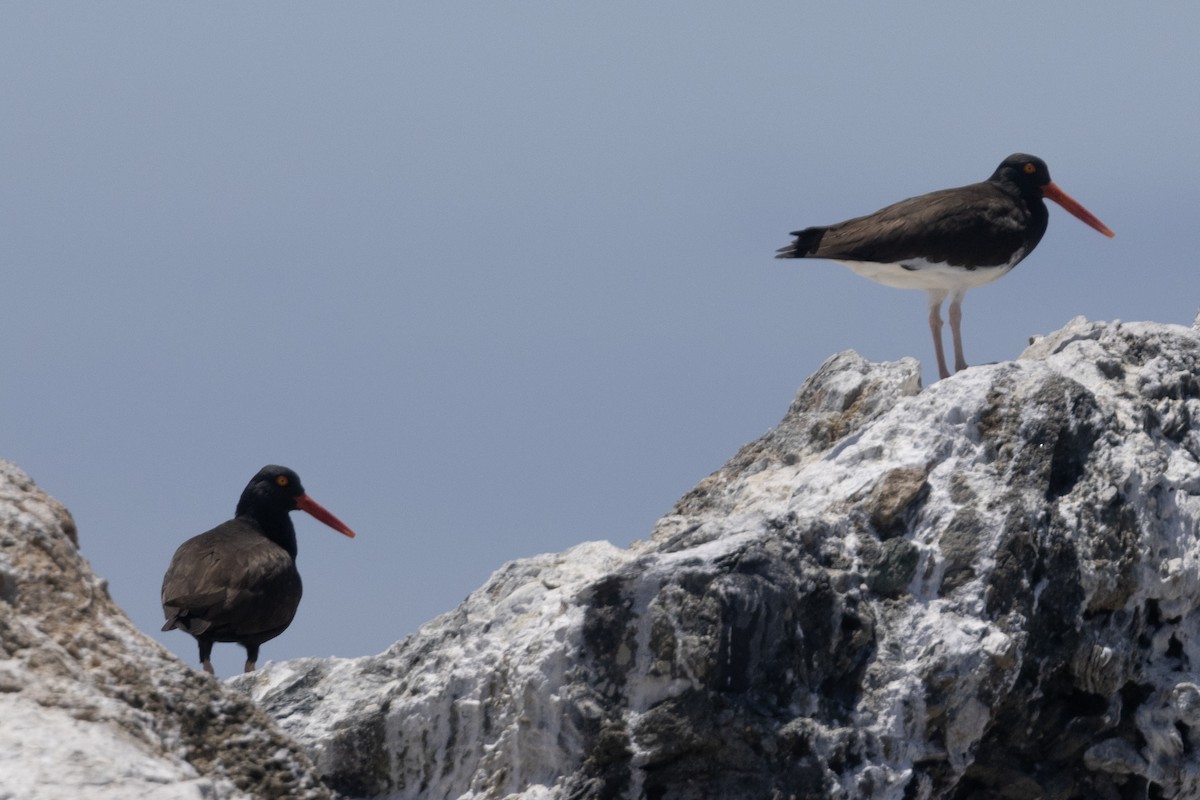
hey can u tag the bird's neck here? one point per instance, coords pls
(275, 524)
(1039, 216)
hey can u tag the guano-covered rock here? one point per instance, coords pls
(984, 589)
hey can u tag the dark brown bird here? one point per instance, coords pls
(238, 582)
(949, 241)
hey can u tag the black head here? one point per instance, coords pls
(1028, 173)
(273, 490)
(1030, 177)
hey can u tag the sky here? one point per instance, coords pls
(497, 278)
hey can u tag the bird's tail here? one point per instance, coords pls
(807, 241)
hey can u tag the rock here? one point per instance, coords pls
(92, 709)
(891, 574)
(895, 497)
(986, 589)
(989, 588)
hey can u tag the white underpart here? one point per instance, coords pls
(917, 273)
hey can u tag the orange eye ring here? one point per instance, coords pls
(281, 480)
(1030, 169)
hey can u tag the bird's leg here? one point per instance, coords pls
(956, 330)
(251, 657)
(935, 327)
(206, 646)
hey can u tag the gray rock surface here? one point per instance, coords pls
(92, 709)
(984, 589)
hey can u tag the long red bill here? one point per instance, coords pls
(1056, 194)
(306, 503)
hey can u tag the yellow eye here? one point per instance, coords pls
(1030, 169)
(281, 480)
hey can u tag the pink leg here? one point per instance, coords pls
(935, 327)
(956, 330)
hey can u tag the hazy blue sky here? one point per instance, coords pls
(497, 278)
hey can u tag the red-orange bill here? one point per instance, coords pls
(306, 503)
(1056, 194)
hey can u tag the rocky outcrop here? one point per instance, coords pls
(90, 708)
(983, 589)
(988, 588)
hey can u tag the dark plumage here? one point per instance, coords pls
(948, 241)
(238, 582)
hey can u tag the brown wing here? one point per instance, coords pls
(231, 584)
(978, 225)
